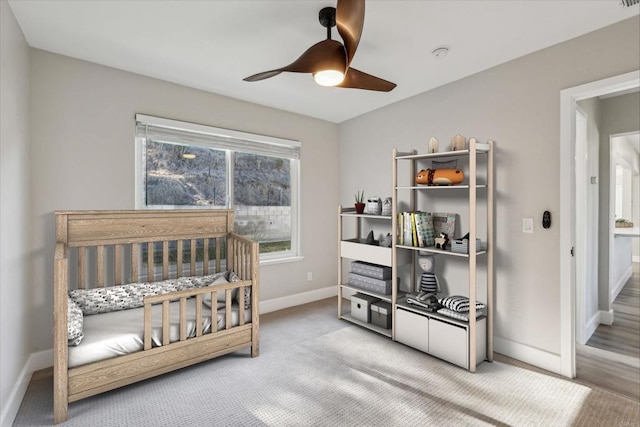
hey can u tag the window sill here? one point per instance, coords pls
(281, 260)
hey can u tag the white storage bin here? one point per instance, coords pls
(360, 307)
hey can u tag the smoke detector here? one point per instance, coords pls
(442, 51)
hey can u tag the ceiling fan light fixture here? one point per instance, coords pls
(328, 77)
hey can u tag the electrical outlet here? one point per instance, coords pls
(309, 276)
(527, 225)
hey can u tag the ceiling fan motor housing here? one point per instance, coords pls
(327, 17)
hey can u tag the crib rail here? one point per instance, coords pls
(198, 294)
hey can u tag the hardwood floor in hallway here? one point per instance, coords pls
(611, 358)
(623, 336)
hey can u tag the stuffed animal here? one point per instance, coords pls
(429, 284)
(442, 241)
(440, 176)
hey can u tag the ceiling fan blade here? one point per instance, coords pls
(263, 75)
(350, 21)
(356, 79)
(327, 54)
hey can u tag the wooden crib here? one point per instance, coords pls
(97, 249)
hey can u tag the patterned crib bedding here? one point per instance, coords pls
(117, 333)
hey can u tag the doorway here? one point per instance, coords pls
(573, 226)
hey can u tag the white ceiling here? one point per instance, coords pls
(213, 45)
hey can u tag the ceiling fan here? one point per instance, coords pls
(329, 60)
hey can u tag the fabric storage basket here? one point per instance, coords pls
(374, 206)
(381, 314)
(360, 307)
(462, 246)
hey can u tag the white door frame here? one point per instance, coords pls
(568, 216)
(581, 255)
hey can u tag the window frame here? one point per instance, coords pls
(229, 136)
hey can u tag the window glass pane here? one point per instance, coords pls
(186, 165)
(182, 175)
(262, 200)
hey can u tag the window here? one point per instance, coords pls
(188, 166)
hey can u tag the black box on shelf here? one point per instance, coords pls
(381, 314)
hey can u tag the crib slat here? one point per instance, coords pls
(135, 250)
(198, 315)
(118, 266)
(82, 272)
(100, 266)
(147, 326)
(236, 257)
(241, 291)
(150, 263)
(183, 319)
(179, 260)
(218, 267)
(165, 322)
(193, 257)
(227, 308)
(165, 260)
(231, 248)
(205, 258)
(214, 312)
(245, 261)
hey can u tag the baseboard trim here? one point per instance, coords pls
(606, 317)
(276, 304)
(35, 362)
(621, 282)
(591, 326)
(531, 355)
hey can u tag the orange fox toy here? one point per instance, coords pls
(439, 177)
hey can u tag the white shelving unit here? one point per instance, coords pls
(460, 342)
(354, 249)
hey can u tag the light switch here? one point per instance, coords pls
(527, 225)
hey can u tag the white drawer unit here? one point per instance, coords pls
(448, 342)
(412, 329)
(445, 338)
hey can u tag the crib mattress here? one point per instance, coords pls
(118, 333)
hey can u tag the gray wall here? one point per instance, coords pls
(82, 142)
(620, 114)
(517, 104)
(15, 292)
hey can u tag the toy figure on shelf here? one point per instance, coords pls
(442, 241)
(429, 285)
(440, 177)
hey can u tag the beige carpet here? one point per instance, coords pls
(319, 371)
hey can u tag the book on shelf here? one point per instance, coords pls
(445, 223)
(415, 229)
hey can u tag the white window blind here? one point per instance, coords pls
(160, 129)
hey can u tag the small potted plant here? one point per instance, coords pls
(360, 201)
